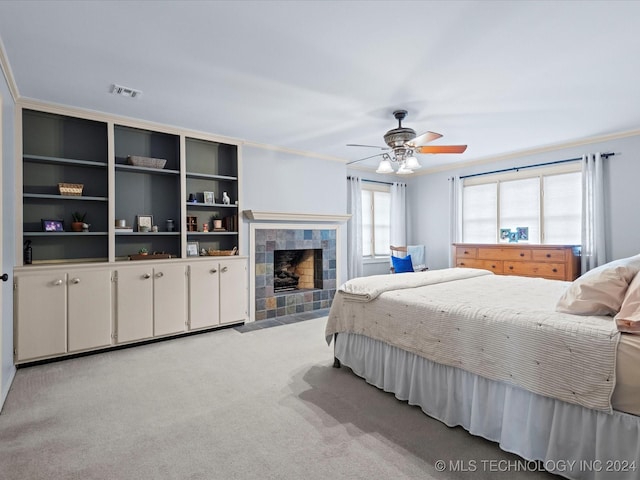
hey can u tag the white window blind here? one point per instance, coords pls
(480, 213)
(520, 206)
(546, 200)
(376, 221)
(563, 208)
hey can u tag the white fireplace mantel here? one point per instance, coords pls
(294, 217)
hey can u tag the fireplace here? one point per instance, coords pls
(297, 269)
(276, 292)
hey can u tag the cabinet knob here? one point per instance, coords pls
(57, 283)
(522, 254)
(159, 275)
(75, 280)
(555, 270)
(548, 255)
(224, 269)
(493, 266)
(5, 277)
(213, 270)
(510, 267)
(146, 275)
(466, 253)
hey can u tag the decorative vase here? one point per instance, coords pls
(76, 226)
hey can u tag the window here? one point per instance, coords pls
(548, 201)
(376, 220)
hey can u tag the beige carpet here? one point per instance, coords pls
(265, 404)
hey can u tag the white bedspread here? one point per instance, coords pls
(503, 328)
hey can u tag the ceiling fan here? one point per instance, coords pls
(404, 144)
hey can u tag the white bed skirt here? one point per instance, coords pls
(570, 440)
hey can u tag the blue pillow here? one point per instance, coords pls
(401, 265)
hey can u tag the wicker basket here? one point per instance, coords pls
(222, 253)
(70, 189)
(146, 161)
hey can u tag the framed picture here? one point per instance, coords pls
(513, 237)
(52, 225)
(193, 249)
(523, 234)
(504, 234)
(145, 222)
(209, 198)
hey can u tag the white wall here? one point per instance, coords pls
(7, 156)
(428, 198)
(278, 181)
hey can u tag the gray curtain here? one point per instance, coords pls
(455, 214)
(398, 206)
(354, 228)
(593, 226)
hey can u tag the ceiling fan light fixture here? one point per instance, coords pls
(403, 170)
(412, 163)
(385, 166)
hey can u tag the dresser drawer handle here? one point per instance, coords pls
(493, 266)
(548, 255)
(461, 264)
(466, 253)
(522, 254)
(510, 267)
(555, 270)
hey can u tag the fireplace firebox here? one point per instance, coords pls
(297, 269)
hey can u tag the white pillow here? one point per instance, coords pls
(628, 319)
(600, 291)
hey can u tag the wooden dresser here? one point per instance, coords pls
(556, 262)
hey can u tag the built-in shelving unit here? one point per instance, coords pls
(211, 167)
(63, 148)
(147, 191)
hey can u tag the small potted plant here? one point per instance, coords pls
(143, 251)
(78, 221)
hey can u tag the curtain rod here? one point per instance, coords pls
(604, 155)
(371, 181)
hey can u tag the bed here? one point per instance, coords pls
(492, 354)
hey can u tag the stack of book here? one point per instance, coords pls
(230, 223)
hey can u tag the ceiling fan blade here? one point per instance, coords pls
(424, 138)
(365, 158)
(441, 149)
(368, 146)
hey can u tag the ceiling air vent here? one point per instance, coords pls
(125, 91)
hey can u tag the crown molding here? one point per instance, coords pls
(294, 217)
(531, 151)
(8, 73)
(292, 151)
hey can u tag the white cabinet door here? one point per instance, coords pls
(204, 295)
(169, 299)
(89, 316)
(134, 303)
(233, 291)
(41, 315)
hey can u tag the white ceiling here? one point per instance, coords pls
(312, 76)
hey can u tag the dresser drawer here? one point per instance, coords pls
(535, 269)
(493, 265)
(463, 252)
(504, 253)
(548, 255)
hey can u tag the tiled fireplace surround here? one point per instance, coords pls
(268, 238)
